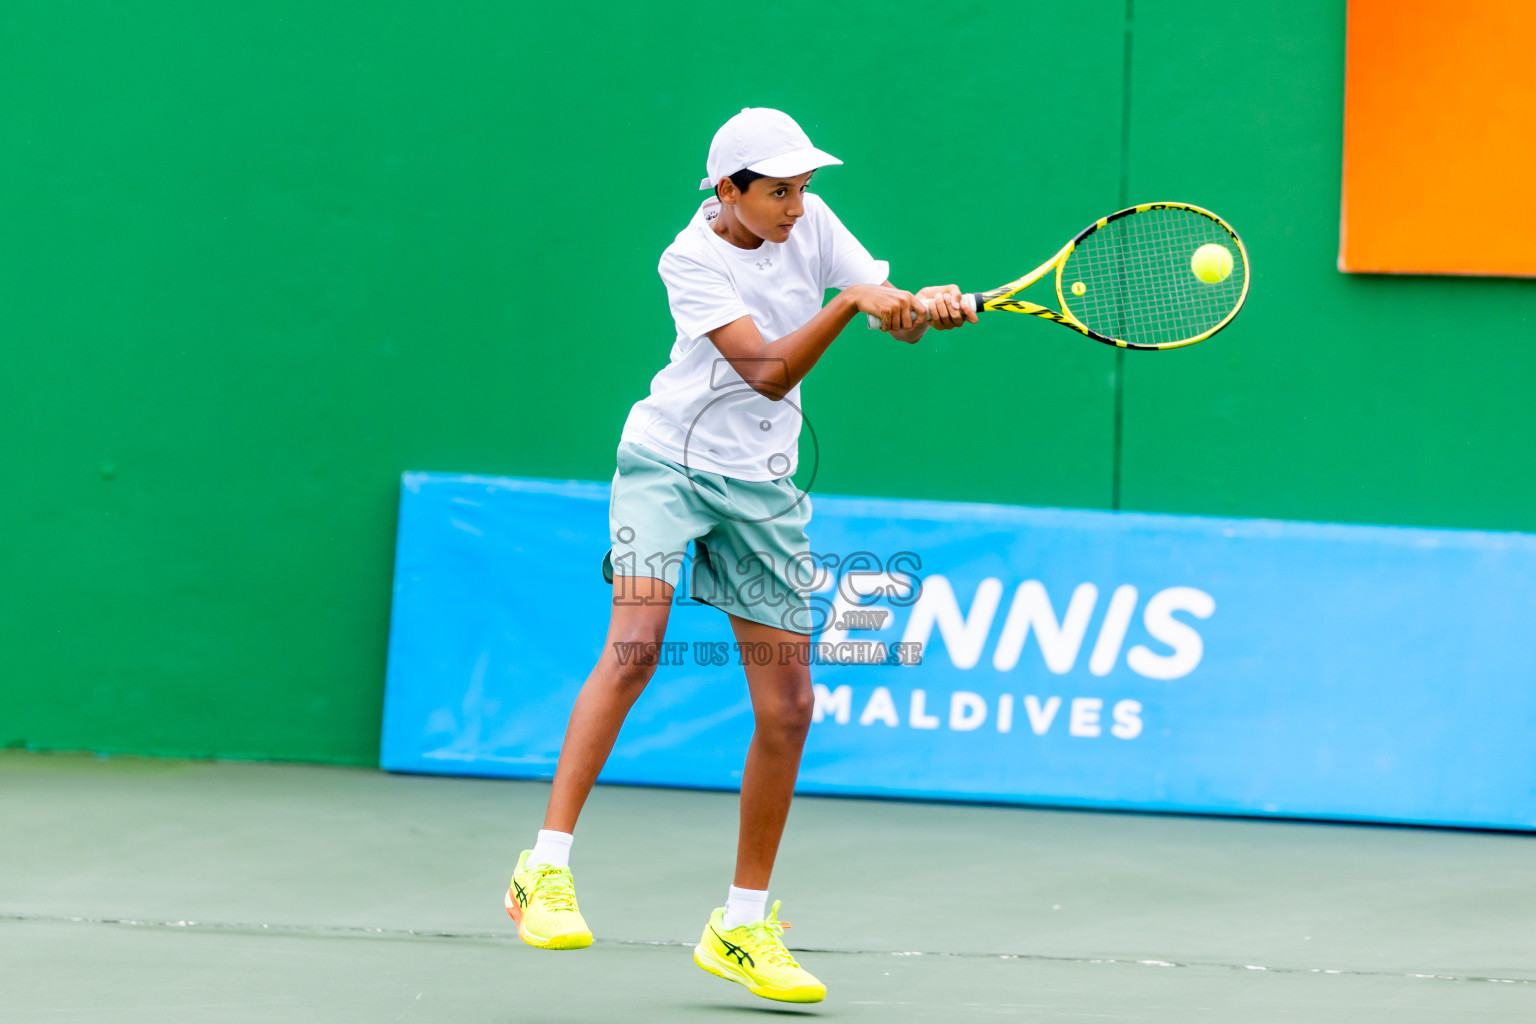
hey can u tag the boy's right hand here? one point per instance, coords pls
(897, 310)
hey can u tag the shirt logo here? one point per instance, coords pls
(765, 263)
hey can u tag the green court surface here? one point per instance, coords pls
(142, 890)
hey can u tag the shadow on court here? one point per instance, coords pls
(147, 890)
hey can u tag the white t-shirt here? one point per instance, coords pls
(700, 412)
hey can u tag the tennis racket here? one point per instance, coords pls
(1154, 276)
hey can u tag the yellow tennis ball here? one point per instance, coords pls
(1212, 263)
(1078, 288)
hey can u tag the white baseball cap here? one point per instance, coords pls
(765, 141)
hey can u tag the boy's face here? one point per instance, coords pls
(769, 207)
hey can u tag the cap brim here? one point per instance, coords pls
(790, 165)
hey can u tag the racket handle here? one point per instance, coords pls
(967, 301)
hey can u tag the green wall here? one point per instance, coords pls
(256, 261)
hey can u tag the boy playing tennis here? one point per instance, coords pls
(745, 280)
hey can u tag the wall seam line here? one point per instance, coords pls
(1118, 443)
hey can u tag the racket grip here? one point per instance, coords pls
(967, 301)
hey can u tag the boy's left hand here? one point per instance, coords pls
(944, 310)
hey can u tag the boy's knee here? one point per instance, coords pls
(790, 719)
(633, 660)
(633, 675)
(802, 706)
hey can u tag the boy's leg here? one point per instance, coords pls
(542, 895)
(752, 952)
(782, 702)
(639, 618)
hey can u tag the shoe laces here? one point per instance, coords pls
(772, 931)
(556, 888)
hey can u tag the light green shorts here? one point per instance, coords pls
(751, 555)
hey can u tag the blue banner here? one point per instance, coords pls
(996, 653)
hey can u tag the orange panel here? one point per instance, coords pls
(1440, 138)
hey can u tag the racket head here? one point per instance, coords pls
(1129, 279)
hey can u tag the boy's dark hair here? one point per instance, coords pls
(742, 179)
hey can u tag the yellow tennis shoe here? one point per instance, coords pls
(754, 955)
(543, 903)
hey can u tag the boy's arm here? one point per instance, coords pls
(743, 346)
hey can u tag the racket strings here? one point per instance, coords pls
(1138, 283)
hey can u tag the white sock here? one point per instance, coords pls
(551, 848)
(743, 906)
